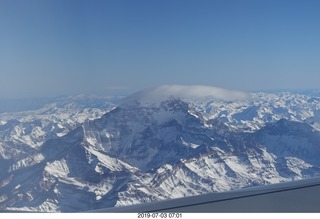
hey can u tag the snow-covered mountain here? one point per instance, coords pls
(252, 113)
(172, 146)
(22, 133)
(55, 119)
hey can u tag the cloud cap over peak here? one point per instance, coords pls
(164, 92)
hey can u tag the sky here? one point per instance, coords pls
(68, 47)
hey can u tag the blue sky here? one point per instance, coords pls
(55, 47)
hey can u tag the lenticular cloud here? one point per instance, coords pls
(161, 93)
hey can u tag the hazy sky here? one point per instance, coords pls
(54, 47)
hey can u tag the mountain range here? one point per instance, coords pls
(85, 153)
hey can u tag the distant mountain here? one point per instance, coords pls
(142, 151)
(261, 108)
(55, 119)
(23, 133)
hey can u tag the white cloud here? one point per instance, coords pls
(161, 93)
